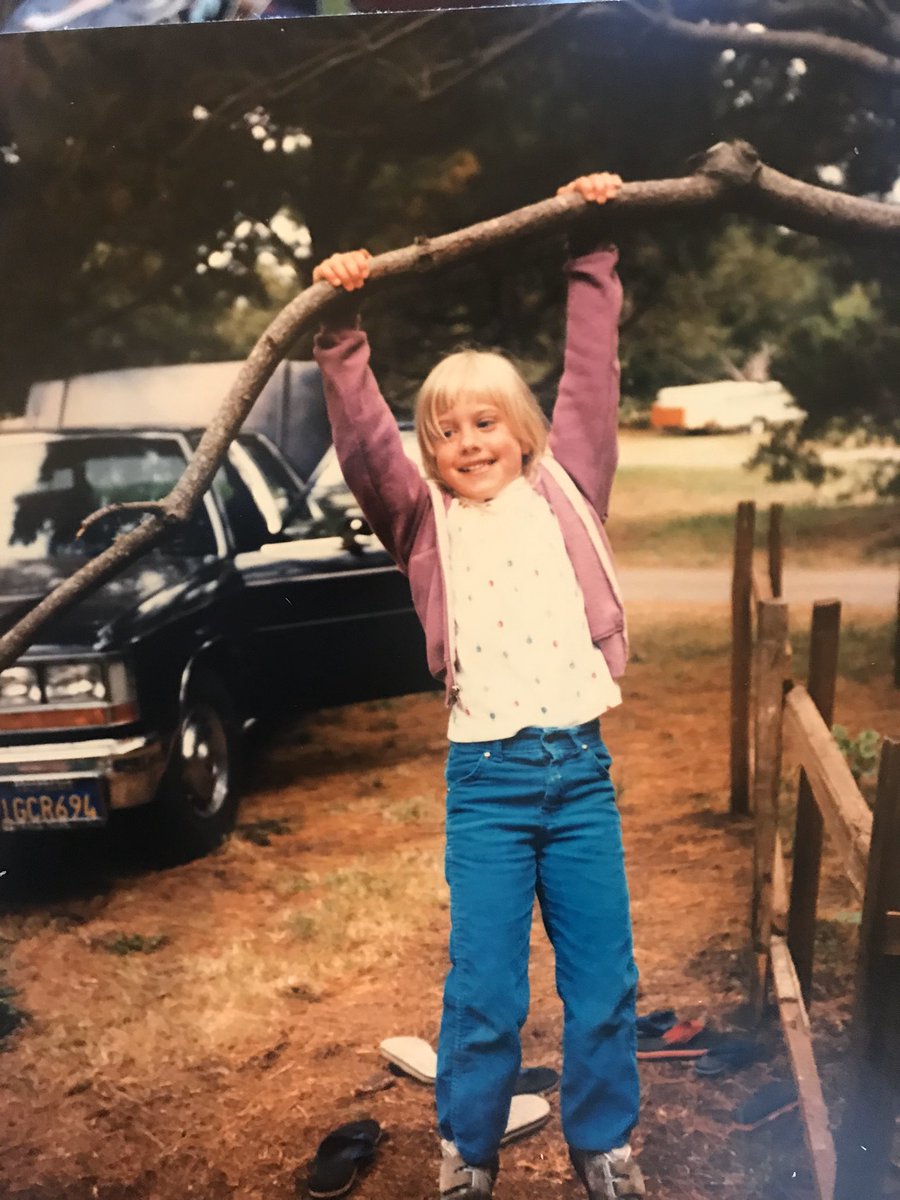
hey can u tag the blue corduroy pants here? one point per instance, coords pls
(535, 814)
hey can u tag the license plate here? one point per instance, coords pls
(51, 804)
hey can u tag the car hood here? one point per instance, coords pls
(111, 614)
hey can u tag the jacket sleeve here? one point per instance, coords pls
(385, 482)
(584, 431)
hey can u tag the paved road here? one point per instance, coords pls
(861, 587)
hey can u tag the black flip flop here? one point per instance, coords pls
(340, 1158)
(729, 1056)
(655, 1024)
(531, 1081)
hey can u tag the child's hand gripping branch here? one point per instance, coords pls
(350, 270)
(599, 187)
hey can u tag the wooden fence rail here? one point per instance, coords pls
(783, 913)
(808, 826)
(845, 813)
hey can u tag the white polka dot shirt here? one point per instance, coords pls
(523, 647)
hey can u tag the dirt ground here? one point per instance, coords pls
(196, 1031)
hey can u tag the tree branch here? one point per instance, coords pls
(728, 177)
(485, 57)
(867, 21)
(122, 506)
(788, 42)
(308, 73)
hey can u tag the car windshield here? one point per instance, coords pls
(49, 485)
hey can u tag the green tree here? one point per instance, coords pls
(148, 175)
(721, 301)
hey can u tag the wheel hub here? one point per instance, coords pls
(204, 760)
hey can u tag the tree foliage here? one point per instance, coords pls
(163, 177)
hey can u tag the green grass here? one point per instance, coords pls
(678, 517)
(365, 906)
(296, 881)
(303, 926)
(659, 643)
(659, 491)
(357, 884)
(865, 650)
(131, 943)
(261, 832)
(408, 811)
(848, 532)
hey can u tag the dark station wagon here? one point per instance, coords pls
(275, 598)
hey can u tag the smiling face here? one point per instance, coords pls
(476, 452)
(478, 424)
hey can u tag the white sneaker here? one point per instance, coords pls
(613, 1175)
(459, 1181)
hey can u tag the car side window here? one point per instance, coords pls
(286, 493)
(248, 526)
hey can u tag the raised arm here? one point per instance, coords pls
(585, 417)
(584, 432)
(387, 485)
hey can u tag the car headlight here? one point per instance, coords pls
(76, 681)
(19, 686)
(67, 694)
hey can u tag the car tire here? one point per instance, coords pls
(198, 799)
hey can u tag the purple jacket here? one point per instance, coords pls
(409, 516)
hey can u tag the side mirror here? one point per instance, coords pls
(354, 527)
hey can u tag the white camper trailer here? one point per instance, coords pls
(727, 405)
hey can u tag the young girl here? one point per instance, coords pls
(512, 577)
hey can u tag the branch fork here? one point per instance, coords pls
(157, 507)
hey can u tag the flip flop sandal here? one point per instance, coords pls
(414, 1057)
(411, 1055)
(769, 1102)
(656, 1023)
(687, 1039)
(526, 1115)
(340, 1157)
(533, 1080)
(729, 1056)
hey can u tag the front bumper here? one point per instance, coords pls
(132, 767)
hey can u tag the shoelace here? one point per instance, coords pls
(476, 1179)
(481, 1179)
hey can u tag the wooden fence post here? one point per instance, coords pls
(769, 674)
(867, 1130)
(821, 679)
(741, 651)
(776, 551)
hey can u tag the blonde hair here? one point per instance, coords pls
(484, 376)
